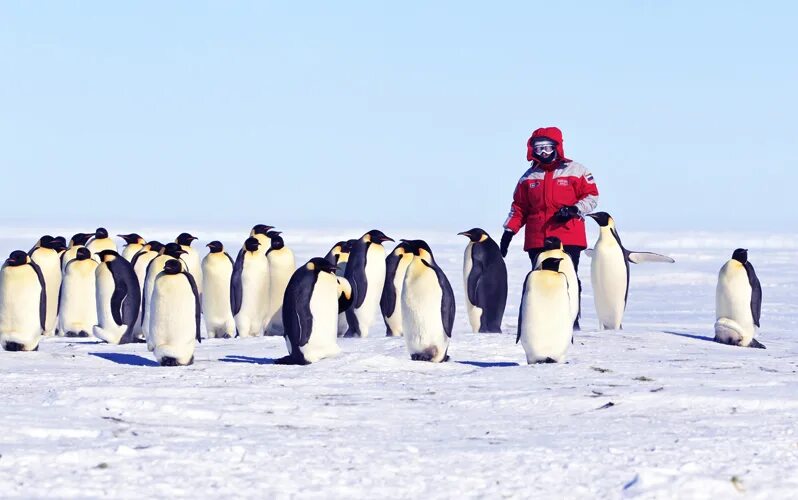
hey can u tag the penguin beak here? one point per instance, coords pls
(592, 216)
(386, 238)
(465, 233)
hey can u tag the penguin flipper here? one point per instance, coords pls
(120, 291)
(756, 293)
(297, 318)
(236, 284)
(42, 295)
(197, 306)
(643, 257)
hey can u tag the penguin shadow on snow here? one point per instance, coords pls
(125, 359)
(489, 364)
(232, 358)
(690, 335)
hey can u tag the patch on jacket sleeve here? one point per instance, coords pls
(589, 178)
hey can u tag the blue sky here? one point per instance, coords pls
(393, 114)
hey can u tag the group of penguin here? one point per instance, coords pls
(156, 293)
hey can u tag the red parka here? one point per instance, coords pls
(543, 189)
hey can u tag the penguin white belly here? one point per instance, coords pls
(280, 271)
(172, 322)
(254, 297)
(422, 322)
(608, 277)
(474, 312)
(130, 250)
(193, 265)
(395, 320)
(106, 329)
(567, 268)
(153, 270)
(78, 310)
(546, 325)
(50, 264)
(97, 246)
(734, 322)
(216, 306)
(20, 294)
(375, 277)
(323, 341)
(68, 255)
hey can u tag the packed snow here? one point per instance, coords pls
(656, 410)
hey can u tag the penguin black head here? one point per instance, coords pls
(53, 243)
(172, 266)
(107, 255)
(421, 249)
(551, 264)
(320, 265)
(80, 238)
(403, 247)
(215, 246)
(376, 236)
(185, 239)
(173, 250)
(131, 238)
(252, 244)
(740, 255)
(45, 241)
(475, 235)
(101, 233)
(552, 243)
(602, 218)
(61, 240)
(277, 243)
(83, 253)
(272, 234)
(17, 258)
(348, 246)
(155, 246)
(260, 229)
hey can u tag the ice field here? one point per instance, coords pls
(654, 411)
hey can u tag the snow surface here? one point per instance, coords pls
(654, 411)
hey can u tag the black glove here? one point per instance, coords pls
(507, 237)
(564, 214)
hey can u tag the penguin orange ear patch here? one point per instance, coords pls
(311, 266)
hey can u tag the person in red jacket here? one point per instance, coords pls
(551, 199)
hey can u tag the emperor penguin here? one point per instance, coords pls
(281, 267)
(313, 299)
(395, 267)
(77, 307)
(133, 245)
(23, 303)
(78, 240)
(485, 280)
(365, 272)
(545, 327)
(191, 258)
(738, 302)
(427, 307)
(249, 289)
(156, 265)
(339, 255)
(553, 248)
(46, 256)
(261, 233)
(609, 271)
(217, 271)
(100, 242)
(118, 299)
(175, 318)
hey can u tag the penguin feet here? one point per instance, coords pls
(224, 336)
(15, 346)
(420, 356)
(291, 360)
(577, 328)
(352, 334)
(170, 361)
(71, 334)
(83, 334)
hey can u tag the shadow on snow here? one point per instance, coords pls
(690, 336)
(231, 358)
(124, 359)
(488, 364)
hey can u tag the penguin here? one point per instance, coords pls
(78, 240)
(395, 267)
(281, 267)
(191, 258)
(46, 255)
(77, 307)
(365, 272)
(339, 255)
(100, 242)
(428, 307)
(133, 245)
(217, 271)
(553, 247)
(609, 271)
(738, 302)
(175, 318)
(249, 289)
(169, 251)
(118, 299)
(261, 233)
(545, 327)
(485, 281)
(313, 299)
(23, 303)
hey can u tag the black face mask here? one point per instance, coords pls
(546, 160)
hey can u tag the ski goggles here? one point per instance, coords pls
(541, 148)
